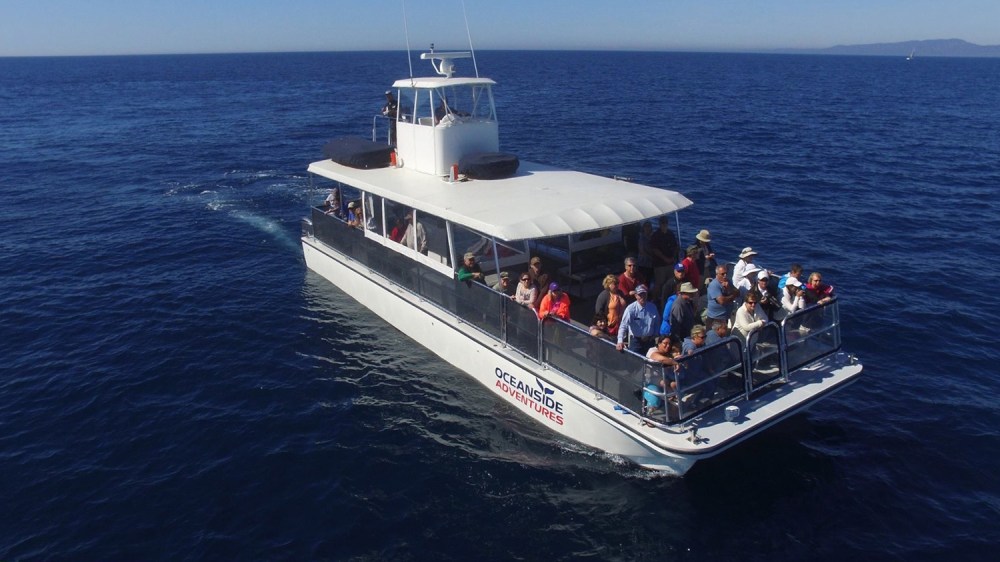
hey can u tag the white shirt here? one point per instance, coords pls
(421, 236)
(747, 321)
(790, 304)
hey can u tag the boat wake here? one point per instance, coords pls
(239, 193)
(267, 225)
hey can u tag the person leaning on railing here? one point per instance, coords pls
(793, 297)
(817, 292)
(554, 303)
(749, 317)
(654, 393)
(640, 323)
(470, 270)
(526, 293)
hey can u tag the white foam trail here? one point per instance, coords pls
(270, 226)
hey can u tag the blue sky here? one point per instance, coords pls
(97, 27)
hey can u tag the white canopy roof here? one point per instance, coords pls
(537, 202)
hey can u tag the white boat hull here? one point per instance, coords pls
(569, 407)
(496, 366)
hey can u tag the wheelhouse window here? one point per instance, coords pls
(465, 102)
(469, 102)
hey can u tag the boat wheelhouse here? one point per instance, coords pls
(578, 385)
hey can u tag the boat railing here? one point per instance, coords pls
(763, 356)
(553, 343)
(595, 362)
(382, 128)
(704, 380)
(810, 334)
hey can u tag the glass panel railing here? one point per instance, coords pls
(594, 361)
(658, 396)
(434, 287)
(705, 379)
(764, 355)
(522, 329)
(810, 334)
(708, 377)
(478, 305)
(335, 232)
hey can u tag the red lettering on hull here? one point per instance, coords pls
(527, 401)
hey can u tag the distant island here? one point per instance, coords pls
(926, 48)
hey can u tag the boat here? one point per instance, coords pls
(910, 56)
(461, 195)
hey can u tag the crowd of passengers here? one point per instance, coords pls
(664, 304)
(661, 307)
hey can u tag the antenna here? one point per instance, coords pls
(469, 34)
(406, 32)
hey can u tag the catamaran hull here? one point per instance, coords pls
(556, 402)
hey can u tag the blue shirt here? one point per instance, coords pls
(711, 338)
(716, 310)
(640, 321)
(688, 346)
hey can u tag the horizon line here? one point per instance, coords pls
(773, 50)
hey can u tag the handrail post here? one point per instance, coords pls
(782, 350)
(503, 319)
(748, 363)
(540, 355)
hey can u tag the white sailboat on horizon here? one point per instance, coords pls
(910, 57)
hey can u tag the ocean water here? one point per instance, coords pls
(175, 385)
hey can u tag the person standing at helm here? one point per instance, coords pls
(389, 110)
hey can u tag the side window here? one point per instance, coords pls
(482, 106)
(333, 202)
(373, 214)
(422, 110)
(395, 222)
(469, 102)
(349, 196)
(511, 256)
(407, 103)
(467, 241)
(437, 238)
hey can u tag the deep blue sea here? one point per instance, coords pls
(175, 385)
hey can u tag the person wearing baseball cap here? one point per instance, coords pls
(670, 286)
(640, 323)
(470, 270)
(389, 111)
(793, 298)
(554, 303)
